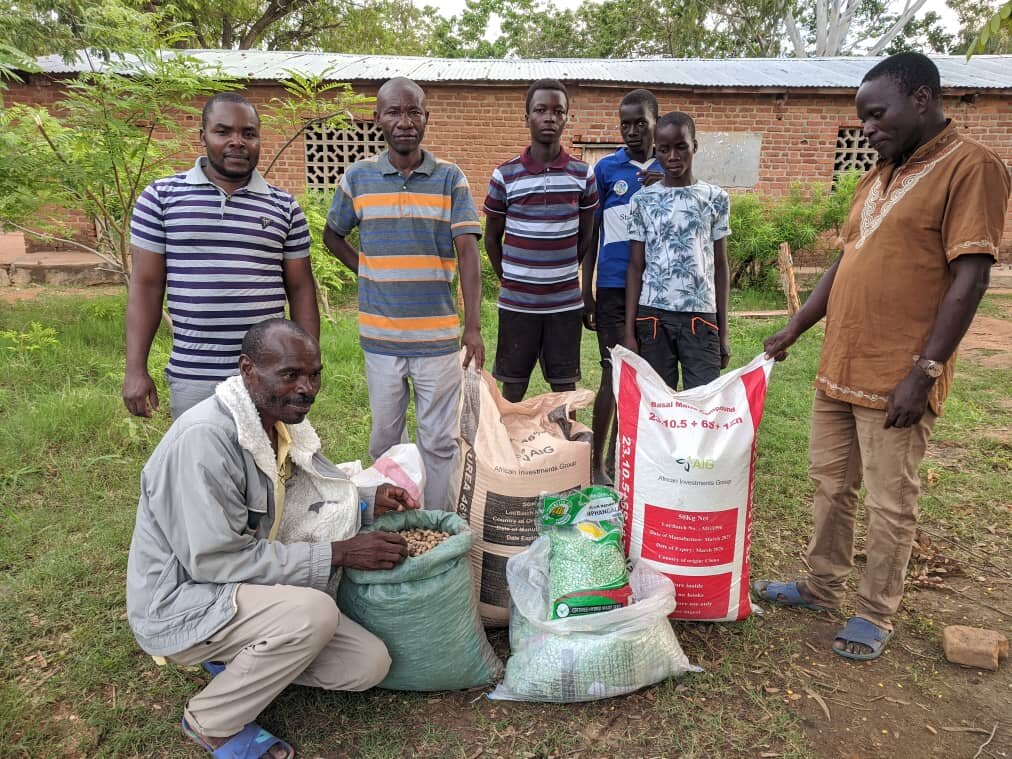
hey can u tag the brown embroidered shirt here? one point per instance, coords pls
(906, 224)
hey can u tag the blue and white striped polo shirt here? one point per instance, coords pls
(223, 262)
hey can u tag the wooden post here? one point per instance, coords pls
(790, 287)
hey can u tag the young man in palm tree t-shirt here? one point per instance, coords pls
(677, 281)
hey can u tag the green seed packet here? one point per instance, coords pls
(587, 566)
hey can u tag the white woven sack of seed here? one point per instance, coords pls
(589, 657)
(686, 466)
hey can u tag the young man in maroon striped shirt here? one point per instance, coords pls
(540, 224)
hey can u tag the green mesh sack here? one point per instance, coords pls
(424, 609)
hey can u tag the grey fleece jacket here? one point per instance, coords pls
(206, 508)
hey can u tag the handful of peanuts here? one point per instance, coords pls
(421, 540)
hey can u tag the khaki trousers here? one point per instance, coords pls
(281, 635)
(849, 444)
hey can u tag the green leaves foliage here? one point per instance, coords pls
(333, 279)
(114, 131)
(117, 128)
(994, 36)
(312, 102)
(807, 218)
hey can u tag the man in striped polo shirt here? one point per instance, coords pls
(416, 220)
(228, 248)
(539, 226)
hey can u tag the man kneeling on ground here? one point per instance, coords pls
(207, 582)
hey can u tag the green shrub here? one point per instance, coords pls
(803, 219)
(334, 281)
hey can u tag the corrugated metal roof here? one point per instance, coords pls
(980, 72)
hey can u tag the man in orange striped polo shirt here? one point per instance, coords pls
(417, 222)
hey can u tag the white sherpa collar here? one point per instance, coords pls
(252, 437)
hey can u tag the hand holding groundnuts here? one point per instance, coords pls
(369, 550)
(392, 498)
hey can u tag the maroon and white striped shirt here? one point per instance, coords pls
(542, 205)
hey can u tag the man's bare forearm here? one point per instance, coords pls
(815, 306)
(722, 286)
(633, 287)
(495, 229)
(301, 292)
(340, 249)
(972, 273)
(469, 263)
(590, 261)
(144, 307)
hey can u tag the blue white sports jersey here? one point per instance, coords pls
(617, 181)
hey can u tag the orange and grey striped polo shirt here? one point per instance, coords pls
(407, 260)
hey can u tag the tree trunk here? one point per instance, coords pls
(795, 36)
(787, 282)
(227, 32)
(905, 18)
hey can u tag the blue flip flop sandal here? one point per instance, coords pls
(215, 668)
(783, 594)
(860, 630)
(251, 742)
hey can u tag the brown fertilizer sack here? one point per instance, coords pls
(510, 455)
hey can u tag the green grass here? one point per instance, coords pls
(74, 683)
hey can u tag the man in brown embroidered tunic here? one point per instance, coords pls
(919, 243)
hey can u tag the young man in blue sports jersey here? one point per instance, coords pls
(619, 177)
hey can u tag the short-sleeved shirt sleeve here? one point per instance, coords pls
(720, 224)
(588, 198)
(496, 198)
(602, 191)
(975, 211)
(343, 217)
(147, 225)
(637, 224)
(297, 242)
(463, 213)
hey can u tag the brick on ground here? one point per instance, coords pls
(974, 646)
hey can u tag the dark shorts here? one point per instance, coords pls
(669, 339)
(527, 339)
(609, 313)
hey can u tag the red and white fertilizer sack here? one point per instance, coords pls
(685, 464)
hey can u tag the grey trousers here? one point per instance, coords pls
(436, 382)
(185, 394)
(280, 635)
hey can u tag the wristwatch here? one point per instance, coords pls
(931, 368)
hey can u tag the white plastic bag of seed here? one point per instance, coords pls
(589, 657)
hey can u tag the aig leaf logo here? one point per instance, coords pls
(689, 463)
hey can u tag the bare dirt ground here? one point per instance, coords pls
(989, 341)
(17, 294)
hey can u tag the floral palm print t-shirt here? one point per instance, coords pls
(678, 226)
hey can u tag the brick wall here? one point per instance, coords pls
(479, 126)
